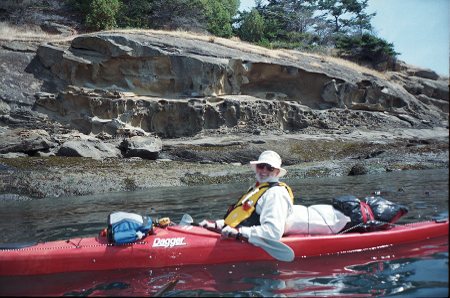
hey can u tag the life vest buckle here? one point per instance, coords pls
(247, 205)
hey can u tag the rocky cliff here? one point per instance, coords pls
(175, 86)
(149, 94)
(169, 85)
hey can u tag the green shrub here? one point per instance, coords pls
(135, 14)
(264, 42)
(102, 14)
(365, 48)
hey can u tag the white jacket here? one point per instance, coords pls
(273, 207)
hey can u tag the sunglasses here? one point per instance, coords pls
(261, 166)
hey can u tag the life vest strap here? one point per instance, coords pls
(244, 209)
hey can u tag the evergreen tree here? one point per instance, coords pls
(275, 19)
(346, 15)
(361, 23)
(219, 15)
(251, 26)
(289, 23)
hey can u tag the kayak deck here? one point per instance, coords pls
(316, 245)
(189, 245)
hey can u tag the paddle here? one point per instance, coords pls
(277, 249)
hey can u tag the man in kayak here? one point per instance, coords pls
(263, 210)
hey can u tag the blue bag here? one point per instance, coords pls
(124, 227)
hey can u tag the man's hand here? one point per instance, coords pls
(230, 232)
(219, 224)
(212, 225)
(207, 224)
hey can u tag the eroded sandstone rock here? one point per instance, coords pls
(178, 87)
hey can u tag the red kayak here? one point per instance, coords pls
(190, 245)
(217, 278)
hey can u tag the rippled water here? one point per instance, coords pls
(406, 271)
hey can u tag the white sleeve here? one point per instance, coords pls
(274, 207)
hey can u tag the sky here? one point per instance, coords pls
(419, 30)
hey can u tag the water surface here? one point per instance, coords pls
(407, 271)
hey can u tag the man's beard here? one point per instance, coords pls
(269, 178)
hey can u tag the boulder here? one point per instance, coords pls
(13, 155)
(25, 141)
(4, 108)
(144, 147)
(358, 169)
(330, 93)
(88, 148)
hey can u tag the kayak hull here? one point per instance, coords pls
(189, 245)
(224, 278)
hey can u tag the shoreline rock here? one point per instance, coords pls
(215, 159)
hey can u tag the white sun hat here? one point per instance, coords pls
(272, 158)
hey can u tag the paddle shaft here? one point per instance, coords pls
(276, 249)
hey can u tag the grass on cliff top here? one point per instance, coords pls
(238, 44)
(11, 32)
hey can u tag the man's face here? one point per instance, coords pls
(265, 172)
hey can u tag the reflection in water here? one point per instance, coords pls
(410, 271)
